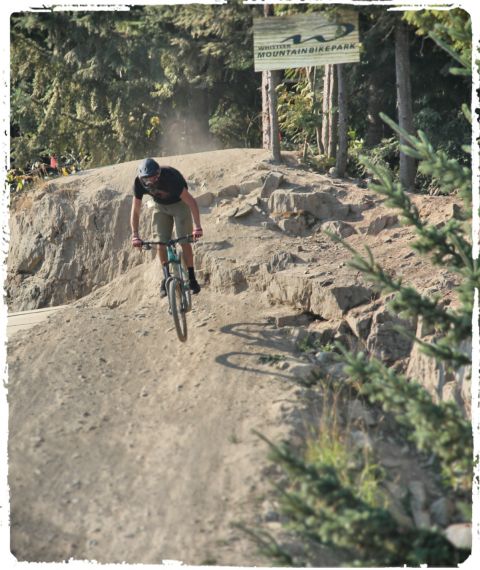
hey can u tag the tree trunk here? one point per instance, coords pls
(341, 164)
(404, 102)
(374, 133)
(270, 80)
(312, 80)
(274, 77)
(325, 108)
(266, 126)
(333, 111)
(266, 142)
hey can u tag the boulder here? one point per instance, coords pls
(381, 223)
(249, 185)
(338, 228)
(244, 211)
(290, 287)
(296, 226)
(280, 261)
(231, 191)
(322, 205)
(384, 340)
(440, 382)
(205, 200)
(64, 245)
(333, 301)
(228, 279)
(442, 511)
(460, 535)
(270, 225)
(272, 182)
(324, 332)
(360, 321)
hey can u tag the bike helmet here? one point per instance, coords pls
(148, 172)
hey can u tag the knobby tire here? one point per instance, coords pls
(177, 308)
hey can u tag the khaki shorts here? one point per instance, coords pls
(164, 216)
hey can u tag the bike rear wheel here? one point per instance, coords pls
(176, 298)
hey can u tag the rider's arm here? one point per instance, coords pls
(135, 216)
(186, 197)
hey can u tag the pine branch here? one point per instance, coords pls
(268, 546)
(439, 428)
(342, 520)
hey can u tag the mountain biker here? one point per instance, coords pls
(172, 203)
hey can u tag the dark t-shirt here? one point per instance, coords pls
(168, 188)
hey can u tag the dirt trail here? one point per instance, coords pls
(141, 447)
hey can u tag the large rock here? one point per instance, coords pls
(206, 199)
(381, 223)
(294, 225)
(290, 287)
(324, 332)
(272, 182)
(338, 228)
(385, 341)
(231, 191)
(222, 273)
(334, 301)
(322, 205)
(418, 504)
(248, 186)
(460, 535)
(280, 261)
(295, 288)
(65, 244)
(440, 382)
(360, 321)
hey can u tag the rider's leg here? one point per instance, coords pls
(187, 254)
(162, 225)
(163, 257)
(184, 227)
(188, 257)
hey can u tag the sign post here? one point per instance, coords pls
(306, 40)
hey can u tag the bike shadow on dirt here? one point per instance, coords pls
(258, 335)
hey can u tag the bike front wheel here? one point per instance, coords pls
(176, 298)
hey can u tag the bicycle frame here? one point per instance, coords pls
(174, 257)
(177, 284)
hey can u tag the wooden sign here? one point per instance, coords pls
(307, 40)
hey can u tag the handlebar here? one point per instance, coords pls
(146, 245)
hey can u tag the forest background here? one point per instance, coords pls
(108, 87)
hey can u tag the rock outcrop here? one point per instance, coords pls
(266, 235)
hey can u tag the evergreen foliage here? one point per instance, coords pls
(299, 112)
(324, 511)
(171, 79)
(121, 85)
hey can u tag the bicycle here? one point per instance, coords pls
(177, 285)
